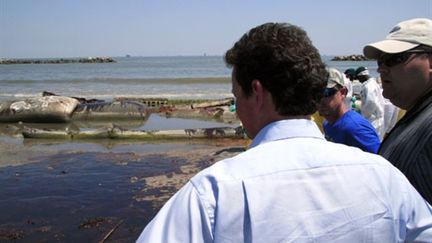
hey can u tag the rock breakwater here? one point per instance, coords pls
(350, 58)
(58, 61)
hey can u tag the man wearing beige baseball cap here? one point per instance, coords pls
(344, 125)
(404, 60)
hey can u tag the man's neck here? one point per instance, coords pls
(426, 95)
(332, 119)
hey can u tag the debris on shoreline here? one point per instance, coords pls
(21, 116)
(116, 132)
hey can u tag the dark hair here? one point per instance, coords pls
(350, 71)
(424, 48)
(283, 58)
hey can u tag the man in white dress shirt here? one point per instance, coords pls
(291, 185)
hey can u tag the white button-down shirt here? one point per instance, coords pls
(294, 186)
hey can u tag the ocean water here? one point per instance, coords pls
(179, 77)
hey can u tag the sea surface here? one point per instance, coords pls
(178, 77)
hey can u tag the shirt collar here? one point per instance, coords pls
(422, 104)
(284, 129)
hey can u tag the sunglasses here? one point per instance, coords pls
(391, 60)
(328, 92)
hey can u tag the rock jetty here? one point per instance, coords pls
(350, 58)
(58, 61)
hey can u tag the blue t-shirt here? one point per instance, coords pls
(353, 129)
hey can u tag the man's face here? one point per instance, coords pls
(331, 102)
(405, 82)
(244, 108)
(362, 78)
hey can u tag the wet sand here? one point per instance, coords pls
(94, 191)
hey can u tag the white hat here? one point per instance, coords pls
(361, 71)
(335, 78)
(404, 36)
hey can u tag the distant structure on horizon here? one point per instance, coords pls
(353, 57)
(58, 61)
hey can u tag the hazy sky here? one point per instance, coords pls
(79, 28)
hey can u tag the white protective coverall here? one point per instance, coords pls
(372, 105)
(349, 86)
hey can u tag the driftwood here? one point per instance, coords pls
(116, 132)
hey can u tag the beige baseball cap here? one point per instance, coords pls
(335, 78)
(404, 36)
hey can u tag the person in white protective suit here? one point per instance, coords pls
(349, 96)
(372, 101)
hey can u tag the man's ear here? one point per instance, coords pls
(430, 62)
(258, 92)
(430, 66)
(344, 91)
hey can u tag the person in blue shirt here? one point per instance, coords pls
(343, 125)
(291, 185)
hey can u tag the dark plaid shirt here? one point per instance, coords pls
(409, 146)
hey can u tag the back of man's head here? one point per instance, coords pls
(283, 58)
(350, 73)
(362, 73)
